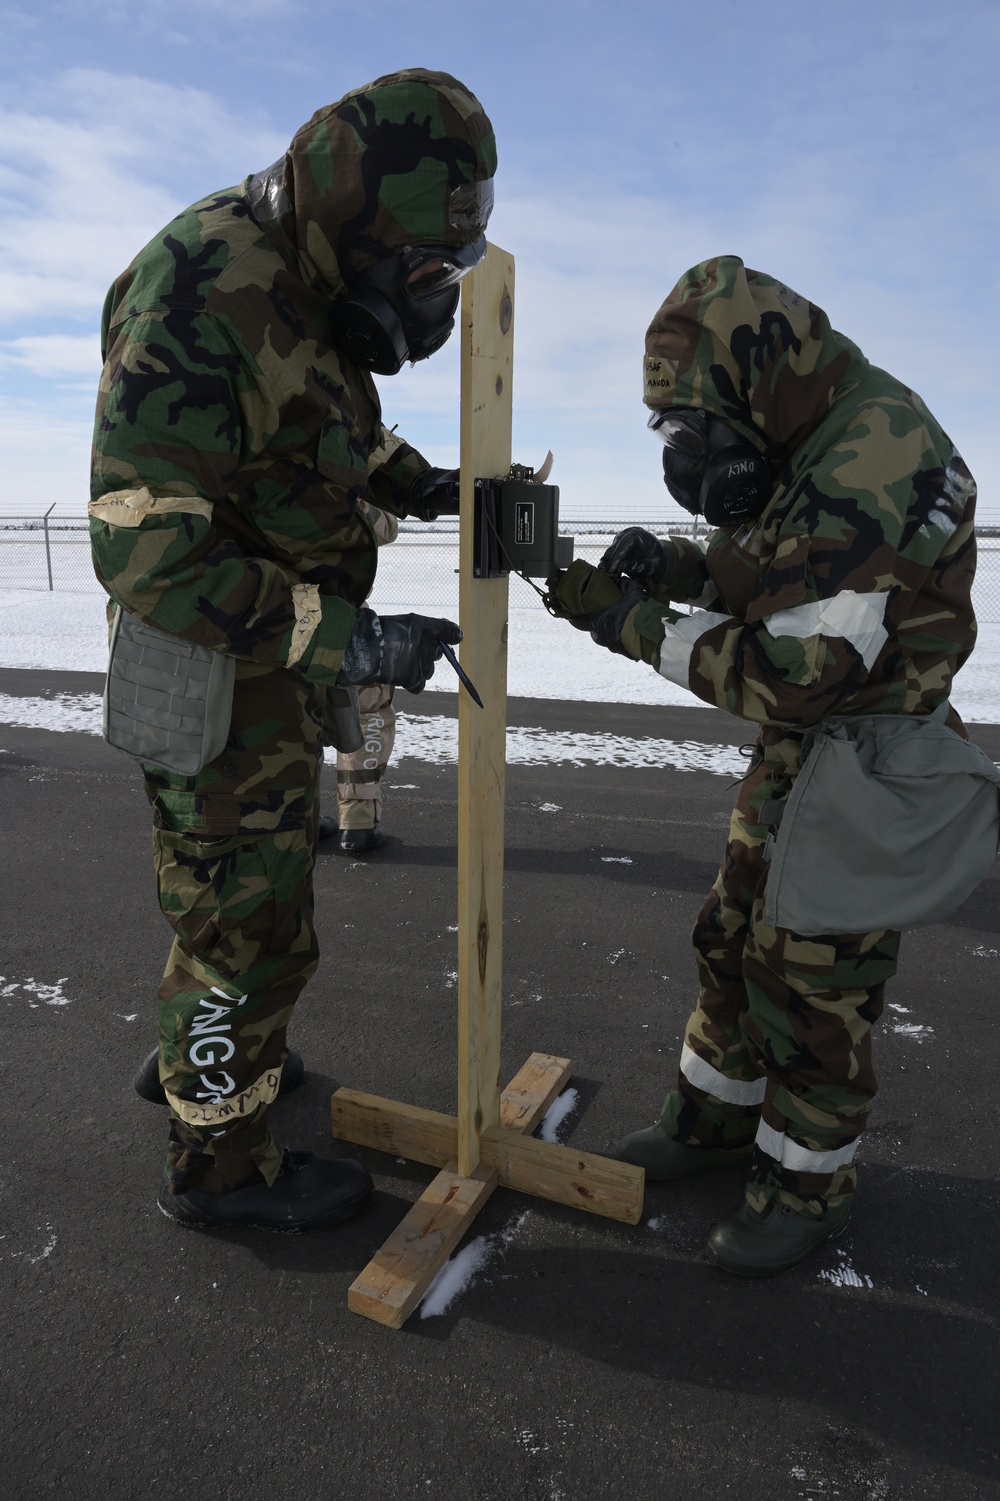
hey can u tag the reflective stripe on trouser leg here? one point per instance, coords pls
(360, 772)
(717, 1097)
(234, 854)
(812, 1005)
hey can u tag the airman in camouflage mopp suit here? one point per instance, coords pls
(235, 443)
(843, 590)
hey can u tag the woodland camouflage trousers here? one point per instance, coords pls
(360, 772)
(778, 1049)
(234, 850)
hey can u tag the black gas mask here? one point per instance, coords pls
(709, 469)
(403, 308)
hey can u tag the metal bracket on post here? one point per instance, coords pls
(487, 562)
(516, 527)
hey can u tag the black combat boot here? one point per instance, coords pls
(309, 1193)
(753, 1244)
(148, 1086)
(665, 1159)
(362, 841)
(328, 826)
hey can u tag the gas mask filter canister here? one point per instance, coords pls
(709, 469)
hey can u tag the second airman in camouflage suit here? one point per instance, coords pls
(235, 445)
(847, 591)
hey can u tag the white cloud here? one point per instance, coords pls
(84, 185)
(85, 182)
(54, 356)
(45, 458)
(591, 275)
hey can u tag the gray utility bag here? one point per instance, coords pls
(167, 702)
(892, 822)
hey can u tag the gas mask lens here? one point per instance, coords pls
(684, 432)
(429, 270)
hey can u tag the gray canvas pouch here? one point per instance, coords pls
(892, 822)
(167, 702)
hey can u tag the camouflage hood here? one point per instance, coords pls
(749, 350)
(402, 161)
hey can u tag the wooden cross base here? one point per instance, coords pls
(393, 1283)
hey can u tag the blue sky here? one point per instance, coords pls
(850, 149)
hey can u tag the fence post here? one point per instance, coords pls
(48, 551)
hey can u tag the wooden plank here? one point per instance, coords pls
(531, 1091)
(485, 433)
(427, 1136)
(389, 1126)
(583, 1180)
(399, 1274)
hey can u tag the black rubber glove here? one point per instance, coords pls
(639, 555)
(591, 600)
(606, 628)
(397, 649)
(432, 494)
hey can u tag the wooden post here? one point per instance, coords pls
(489, 1142)
(487, 364)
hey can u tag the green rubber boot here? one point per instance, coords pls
(762, 1245)
(665, 1159)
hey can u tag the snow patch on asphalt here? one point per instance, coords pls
(562, 1107)
(64, 711)
(459, 1273)
(844, 1275)
(913, 1030)
(44, 1253)
(433, 738)
(45, 995)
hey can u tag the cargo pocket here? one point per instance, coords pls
(218, 896)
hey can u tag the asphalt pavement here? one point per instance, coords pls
(584, 1360)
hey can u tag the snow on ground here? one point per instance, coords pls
(67, 632)
(434, 738)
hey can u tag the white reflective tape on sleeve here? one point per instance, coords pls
(800, 1159)
(734, 1091)
(857, 618)
(679, 640)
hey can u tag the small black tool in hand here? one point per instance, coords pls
(462, 674)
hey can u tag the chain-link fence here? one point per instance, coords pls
(419, 571)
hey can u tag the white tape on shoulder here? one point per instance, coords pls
(856, 618)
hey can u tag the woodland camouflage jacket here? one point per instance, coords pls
(851, 593)
(232, 443)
